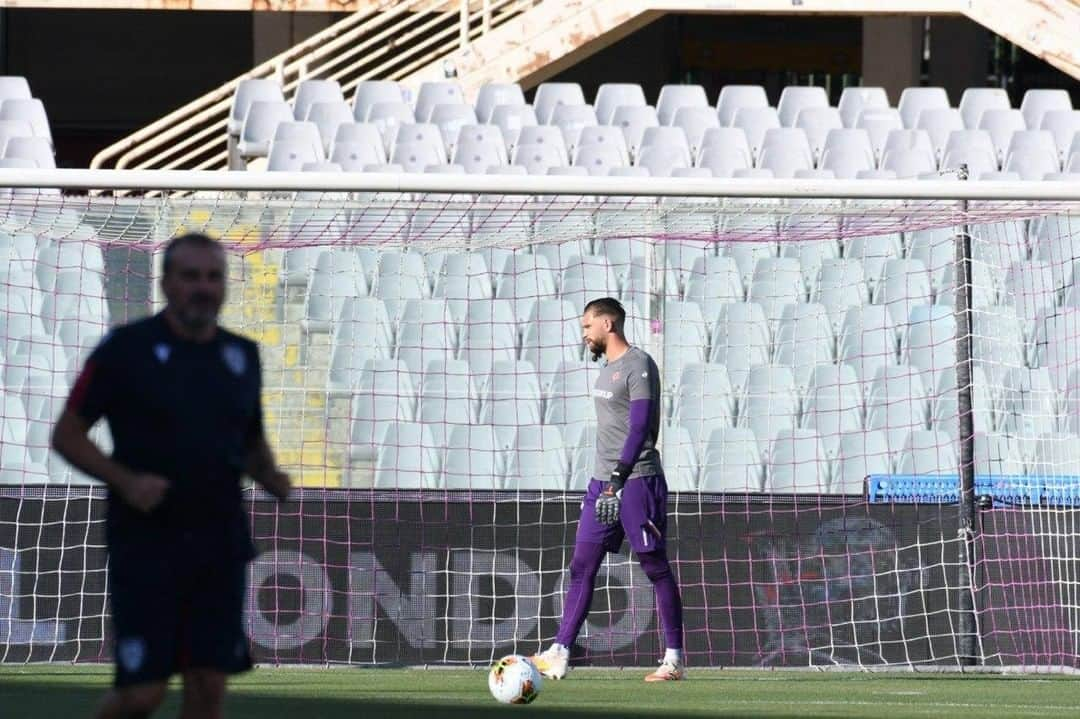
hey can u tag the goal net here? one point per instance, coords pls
(426, 385)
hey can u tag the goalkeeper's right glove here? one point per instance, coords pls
(607, 504)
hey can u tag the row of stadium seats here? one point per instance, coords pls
(410, 455)
(683, 135)
(25, 137)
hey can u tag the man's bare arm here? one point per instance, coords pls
(262, 467)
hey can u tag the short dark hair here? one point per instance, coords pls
(609, 307)
(191, 239)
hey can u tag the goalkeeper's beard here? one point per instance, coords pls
(596, 350)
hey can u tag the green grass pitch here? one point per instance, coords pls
(49, 691)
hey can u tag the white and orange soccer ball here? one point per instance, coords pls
(514, 680)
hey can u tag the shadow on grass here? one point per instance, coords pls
(36, 699)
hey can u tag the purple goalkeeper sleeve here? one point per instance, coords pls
(640, 412)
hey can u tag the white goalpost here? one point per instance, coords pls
(871, 425)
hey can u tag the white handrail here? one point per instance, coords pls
(390, 41)
(188, 181)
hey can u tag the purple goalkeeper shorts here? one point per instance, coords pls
(642, 516)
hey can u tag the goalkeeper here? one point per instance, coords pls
(628, 493)
(182, 399)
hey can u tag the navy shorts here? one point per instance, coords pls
(642, 516)
(168, 619)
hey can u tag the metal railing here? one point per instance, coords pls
(393, 40)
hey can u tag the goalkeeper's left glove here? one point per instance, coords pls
(607, 504)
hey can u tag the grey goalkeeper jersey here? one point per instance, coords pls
(632, 376)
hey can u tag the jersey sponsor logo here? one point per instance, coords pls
(131, 653)
(602, 393)
(235, 359)
(162, 352)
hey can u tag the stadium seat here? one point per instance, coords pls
(488, 335)
(750, 248)
(867, 340)
(388, 117)
(804, 339)
(462, 279)
(633, 121)
(976, 100)
(680, 459)
(426, 332)
(432, 93)
(545, 136)
(832, 404)
(336, 276)
(797, 463)
(673, 98)
(384, 393)
(1001, 124)
(400, 276)
(1029, 408)
(662, 161)
(550, 94)
(1054, 343)
(260, 124)
(1063, 125)
(599, 159)
(853, 100)
(704, 398)
(568, 398)
(450, 118)
(713, 282)
(362, 332)
(1058, 454)
(872, 252)
(448, 398)
(611, 139)
(539, 158)
(794, 99)
(696, 122)
(980, 163)
(525, 279)
(755, 122)
(686, 339)
(479, 147)
(878, 123)
(408, 457)
(768, 402)
(537, 460)
(810, 254)
(371, 92)
(361, 133)
(740, 339)
(571, 120)
(776, 282)
(939, 123)
(945, 406)
(729, 140)
(928, 341)
(936, 249)
(1037, 103)
(510, 119)
(1029, 288)
(30, 111)
(673, 138)
(510, 397)
(474, 459)
(996, 456)
(914, 100)
(904, 284)
(734, 97)
(860, 454)
(818, 123)
(613, 95)
(416, 156)
(493, 94)
(928, 452)
(897, 403)
(309, 92)
(328, 117)
(551, 336)
(731, 461)
(247, 92)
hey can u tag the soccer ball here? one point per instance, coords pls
(514, 680)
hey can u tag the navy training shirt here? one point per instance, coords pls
(183, 410)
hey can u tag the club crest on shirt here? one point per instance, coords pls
(162, 351)
(234, 358)
(131, 652)
(615, 376)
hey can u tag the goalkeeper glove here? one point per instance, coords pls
(607, 504)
